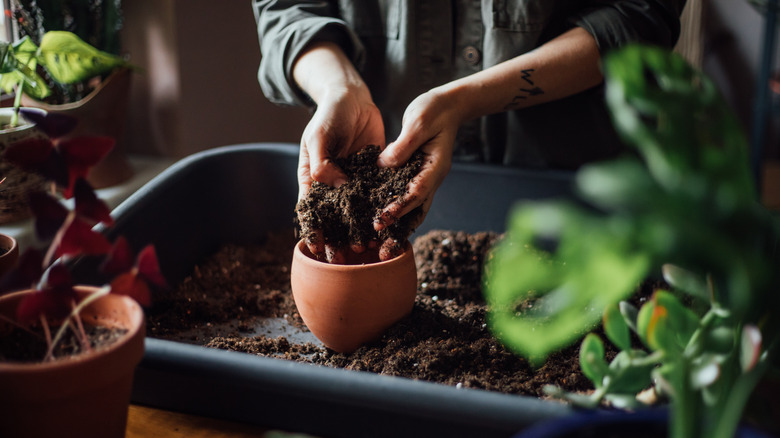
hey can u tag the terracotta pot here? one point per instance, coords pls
(346, 306)
(13, 191)
(101, 113)
(9, 253)
(86, 396)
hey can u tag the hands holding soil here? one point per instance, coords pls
(348, 223)
(352, 199)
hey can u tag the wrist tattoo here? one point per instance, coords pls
(525, 91)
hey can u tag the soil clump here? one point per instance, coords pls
(343, 217)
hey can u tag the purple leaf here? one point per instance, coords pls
(54, 301)
(79, 238)
(89, 206)
(49, 214)
(119, 259)
(54, 125)
(80, 155)
(26, 272)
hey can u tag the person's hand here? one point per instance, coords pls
(345, 121)
(430, 124)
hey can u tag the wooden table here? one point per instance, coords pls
(145, 422)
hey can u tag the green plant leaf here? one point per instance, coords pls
(592, 361)
(69, 59)
(18, 66)
(685, 281)
(616, 328)
(750, 347)
(568, 286)
(705, 374)
(665, 324)
(628, 374)
(630, 314)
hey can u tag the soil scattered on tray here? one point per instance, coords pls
(344, 216)
(445, 339)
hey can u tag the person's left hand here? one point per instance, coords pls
(430, 124)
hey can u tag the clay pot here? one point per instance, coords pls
(84, 396)
(101, 113)
(18, 183)
(346, 306)
(9, 253)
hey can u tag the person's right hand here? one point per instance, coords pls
(346, 120)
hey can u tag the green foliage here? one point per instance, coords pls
(684, 205)
(63, 55)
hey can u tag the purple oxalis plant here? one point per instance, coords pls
(65, 161)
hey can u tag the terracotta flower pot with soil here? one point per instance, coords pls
(86, 395)
(348, 296)
(347, 305)
(9, 253)
(18, 182)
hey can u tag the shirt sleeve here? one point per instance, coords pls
(285, 29)
(614, 23)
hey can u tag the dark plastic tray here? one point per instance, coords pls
(237, 194)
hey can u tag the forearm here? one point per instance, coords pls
(562, 67)
(324, 69)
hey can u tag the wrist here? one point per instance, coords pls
(458, 99)
(323, 71)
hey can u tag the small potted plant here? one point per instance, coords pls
(684, 210)
(19, 74)
(98, 101)
(68, 352)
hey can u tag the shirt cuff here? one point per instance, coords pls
(279, 56)
(627, 22)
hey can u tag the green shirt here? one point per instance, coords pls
(406, 47)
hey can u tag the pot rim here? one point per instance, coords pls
(14, 245)
(136, 326)
(113, 77)
(305, 256)
(23, 123)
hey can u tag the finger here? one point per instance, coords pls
(315, 243)
(398, 152)
(417, 192)
(420, 189)
(321, 166)
(335, 255)
(304, 173)
(390, 249)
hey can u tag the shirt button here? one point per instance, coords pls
(471, 55)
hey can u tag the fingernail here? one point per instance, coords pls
(381, 162)
(339, 182)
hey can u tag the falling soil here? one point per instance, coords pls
(29, 345)
(344, 216)
(229, 297)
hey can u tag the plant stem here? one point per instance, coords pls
(75, 315)
(685, 407)
(728, 418)
(17, 104)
